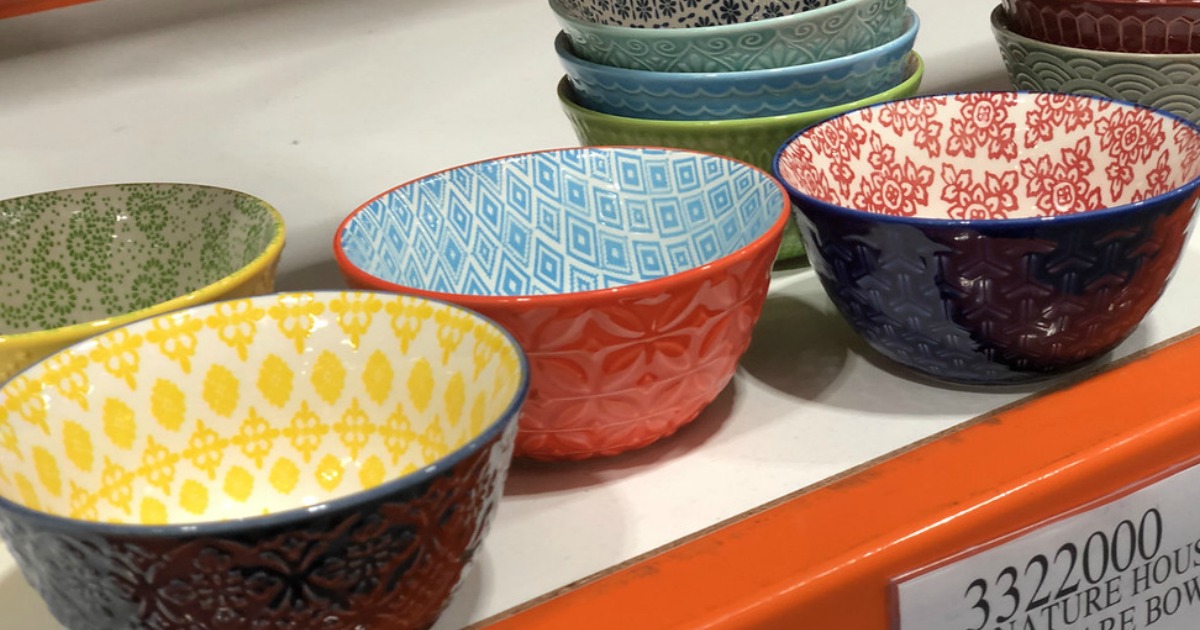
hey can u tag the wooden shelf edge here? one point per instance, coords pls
(825, 557)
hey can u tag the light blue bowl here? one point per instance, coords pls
(732, 95)
(684, 36)
(562, 221)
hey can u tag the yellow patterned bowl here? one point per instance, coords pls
(290, 461)
(77, 262)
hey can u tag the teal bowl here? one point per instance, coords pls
(697, 43)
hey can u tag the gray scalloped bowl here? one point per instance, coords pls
(1166, 82)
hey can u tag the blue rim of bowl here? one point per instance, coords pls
(905, 41)
(992, 224)
(706, 31)
(334, 506)
(195, 297)
(624, 291)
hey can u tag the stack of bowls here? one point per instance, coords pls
(733, 78)
(1138, 51)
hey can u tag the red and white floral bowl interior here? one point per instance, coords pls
(995, 155)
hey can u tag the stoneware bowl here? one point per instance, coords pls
(1153, 27)
(994, 237)
(77, 262)
(731, 95)
(320, 460)
(1167, 82)
(753, 140)
(631, 277)
(725, 36)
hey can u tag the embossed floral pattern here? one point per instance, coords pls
(610, 370)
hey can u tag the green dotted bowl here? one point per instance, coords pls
(753, 140)
(74, 263)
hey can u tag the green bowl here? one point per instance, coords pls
(1166, 82)
(753, 140)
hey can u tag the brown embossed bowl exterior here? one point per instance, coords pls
(1151, 27)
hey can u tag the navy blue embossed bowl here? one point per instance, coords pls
(316, 460)
(994, 237)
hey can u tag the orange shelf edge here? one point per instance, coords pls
(13, 8)
(825, 557)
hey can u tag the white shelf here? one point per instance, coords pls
(317, 106)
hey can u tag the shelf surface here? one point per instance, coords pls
(317, 106)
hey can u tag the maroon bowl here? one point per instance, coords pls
(1134, 26)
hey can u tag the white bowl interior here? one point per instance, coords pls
(92, 253)
(992, 156)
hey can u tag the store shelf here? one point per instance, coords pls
(316, 106)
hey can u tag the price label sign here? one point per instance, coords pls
(1131, 563)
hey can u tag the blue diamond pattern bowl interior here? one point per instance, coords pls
(721, 36)
(994, 237)
(559, 222)
(733, 95)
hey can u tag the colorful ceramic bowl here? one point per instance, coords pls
(682, 13)
(1167, 82)
(1152, 27)
(732, 95)
(631, 277)
(994, 237)
(76, 262)
(753, 140)
(308, 460)
(686, 36)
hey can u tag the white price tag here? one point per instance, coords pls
(1132, 563)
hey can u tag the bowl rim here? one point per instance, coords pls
(1002, 30)
(1182, 190)
(685, 32)
(1140, 4)
(74, 332)
(572, 63)
(662, 284)
(291, 515)
(912, 80)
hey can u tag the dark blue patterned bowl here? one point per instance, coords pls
(994, 237)
(317, 460)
